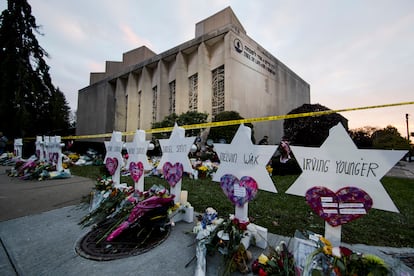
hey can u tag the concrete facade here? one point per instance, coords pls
(221, 69)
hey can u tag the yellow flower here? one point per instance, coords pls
(269, 169)
(202, 168)
(263, 259)
(373, 259)
(325, 241)
(327, 250)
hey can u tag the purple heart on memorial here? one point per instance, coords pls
(111, 164)
(238, 191)
(173, 173)
(55, 157)
(136, 170)
(347, 204)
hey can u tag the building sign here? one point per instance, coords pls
(255, 57)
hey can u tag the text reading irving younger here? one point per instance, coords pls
(359, 168)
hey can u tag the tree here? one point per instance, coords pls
(386, 138)
(311, 130)
(188, 118)
(389, 138)
(227, 133)
(362, 137)
(28, 99)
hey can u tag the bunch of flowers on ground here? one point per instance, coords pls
(223, 236)
(205, 168)
(341, 261)
(120, 206)
(279, 261)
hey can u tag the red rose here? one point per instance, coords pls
(243, 226)
(345, 251)
(262, 272)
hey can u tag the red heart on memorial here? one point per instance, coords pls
(173, 173)
(347, 204)
(136, 170)
(111, 164)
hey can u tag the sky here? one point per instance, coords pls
(352, 53)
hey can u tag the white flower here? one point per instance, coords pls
(210, 210)
(336, 251)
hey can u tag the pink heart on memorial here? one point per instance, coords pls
(136, 170)
(173, 173)
(347, 204)
(238, 191)
(111, 164)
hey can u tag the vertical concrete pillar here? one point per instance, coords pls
(120, 105)
(204, 80)
(163, 90)
(146, 99)
(181, 84)
(132, 104)
(228, 76)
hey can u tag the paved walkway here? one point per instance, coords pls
(39, 231)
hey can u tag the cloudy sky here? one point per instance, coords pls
(352, 53)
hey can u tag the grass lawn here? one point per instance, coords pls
(282, 214)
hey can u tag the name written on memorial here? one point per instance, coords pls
(353, 168)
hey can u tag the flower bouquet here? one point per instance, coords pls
(279, 261)
(126, 221)
(224, 236)
(341, 261)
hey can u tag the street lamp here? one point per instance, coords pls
(408, 137)
(408, 132)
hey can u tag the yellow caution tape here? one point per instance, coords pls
(240, 121)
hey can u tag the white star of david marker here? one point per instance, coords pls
(242, 158)
(113, 150)
(176, 149)
(137, 150)
(339, 163)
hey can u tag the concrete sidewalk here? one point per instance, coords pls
(40, 239)
(26, 197)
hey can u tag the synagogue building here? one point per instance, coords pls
(221, 69)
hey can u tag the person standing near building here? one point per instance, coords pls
(264, 141)
(3, 143)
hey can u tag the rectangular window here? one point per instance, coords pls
(154, 104)
(193, 93)
(171, 108)
(218, 90)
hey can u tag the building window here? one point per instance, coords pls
(171, 108)
(193, 93)
(218, 90)
(154, 104)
